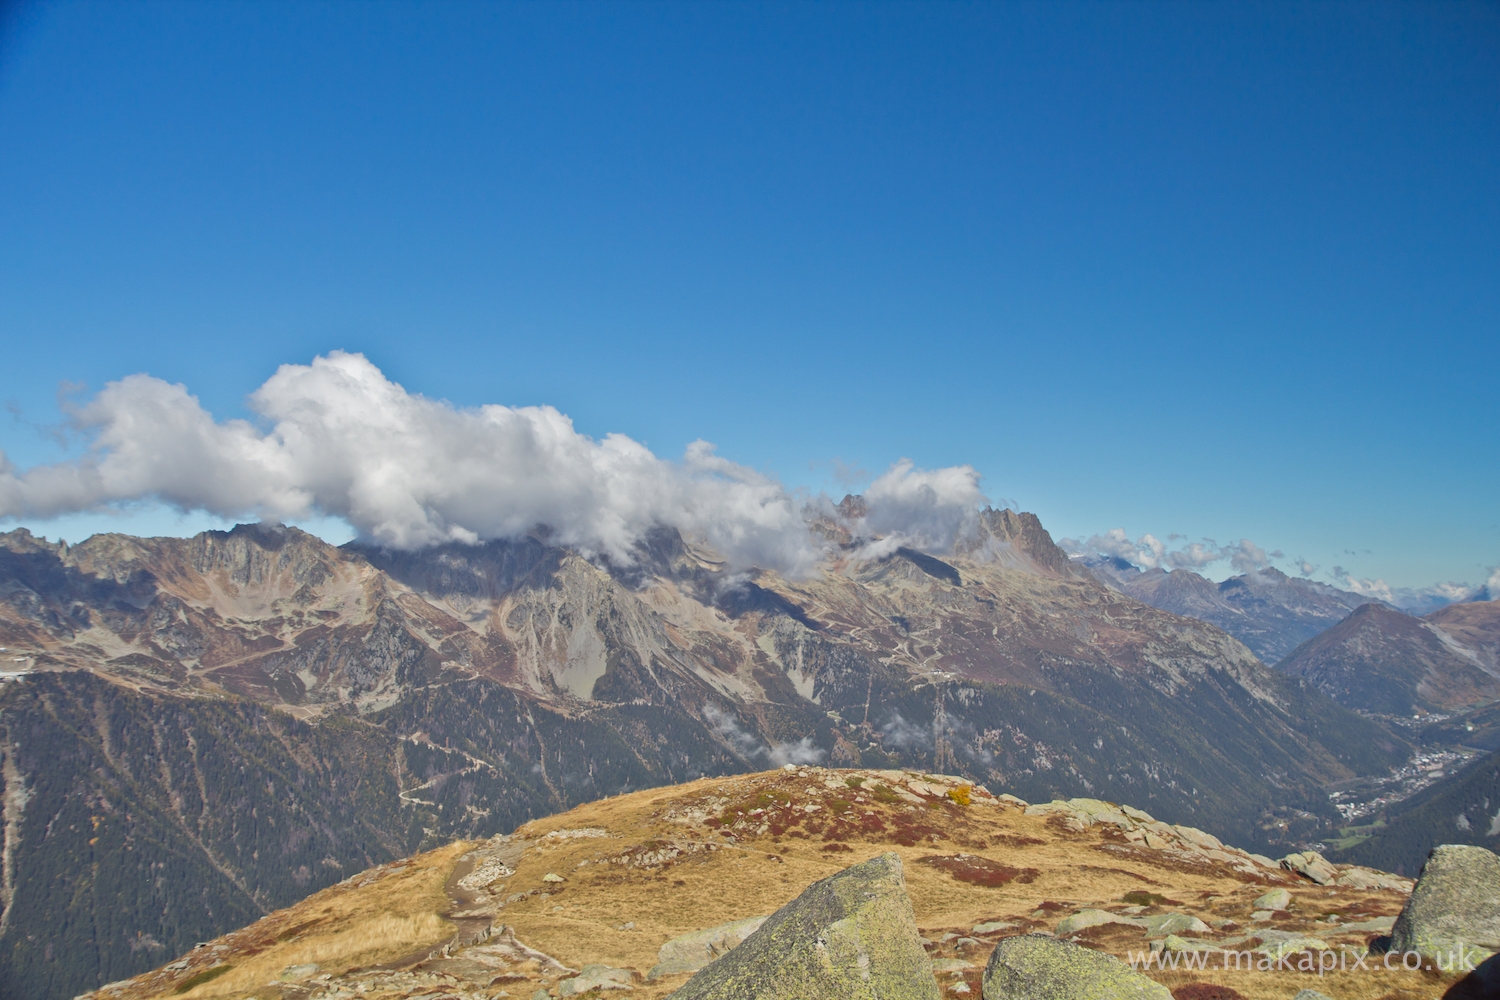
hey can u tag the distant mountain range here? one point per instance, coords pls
(196, 731)
(1381, 660)
(1267, 610)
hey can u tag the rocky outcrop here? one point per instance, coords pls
(1454, 911)
(852, 935)
(1036, 967)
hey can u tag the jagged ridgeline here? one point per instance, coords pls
(200, 730)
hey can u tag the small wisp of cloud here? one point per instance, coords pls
(748, 747)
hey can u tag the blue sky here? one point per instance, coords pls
(1218, 270)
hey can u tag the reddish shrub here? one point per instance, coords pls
(1206, 991)
(978, 870)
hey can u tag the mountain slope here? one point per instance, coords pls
(1268, 611)
(609, 882)
(1380, 660)
(393, 700)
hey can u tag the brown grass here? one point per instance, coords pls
(669, 867)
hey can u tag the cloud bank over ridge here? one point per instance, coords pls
(408, 471)
(1149, 552)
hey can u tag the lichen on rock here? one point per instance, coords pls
(1455, 905)
(1037, 967)
(851, 936)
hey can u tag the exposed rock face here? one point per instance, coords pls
(1034, 967)
(852, 935)
(691, 952)
(1455, 907)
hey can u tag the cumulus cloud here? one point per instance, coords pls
(1148, 552)
(1195, 555)
(1247, 557)
(338, 438)
(929, 509)
(1418, 600)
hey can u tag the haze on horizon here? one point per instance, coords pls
(1203, 287)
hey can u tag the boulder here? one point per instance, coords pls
(1455, 905)
(1311, 995)
(1036, 967)
(992, 927)
(1162, 924)
(1311, 865)
(693, 951)
(1279, 943)
(1276, 899)
(595, 977)
(1481, 984)
(852, 935)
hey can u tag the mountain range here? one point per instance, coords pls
(1381, 660)
(1268, 611)
(196, 731)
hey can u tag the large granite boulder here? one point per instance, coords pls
(1453, 915)
(852, 936)
(1036, 967)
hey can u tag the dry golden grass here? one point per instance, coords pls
(343, 927)
(631, 877)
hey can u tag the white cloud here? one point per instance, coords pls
(1247, 557)
(1148, 552)
(341, 440)
(1194, 556)
(923, 508)
(1417, 600)
(747, 746)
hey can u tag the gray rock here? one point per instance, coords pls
(693, 951)
(1276, 899)
(852, 935)
(595, 977)
(1311, 995)
(300, 971)
(1311, 865)
(1455, 905)
(992, 927)
(1161, 924)
(1035, 967)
